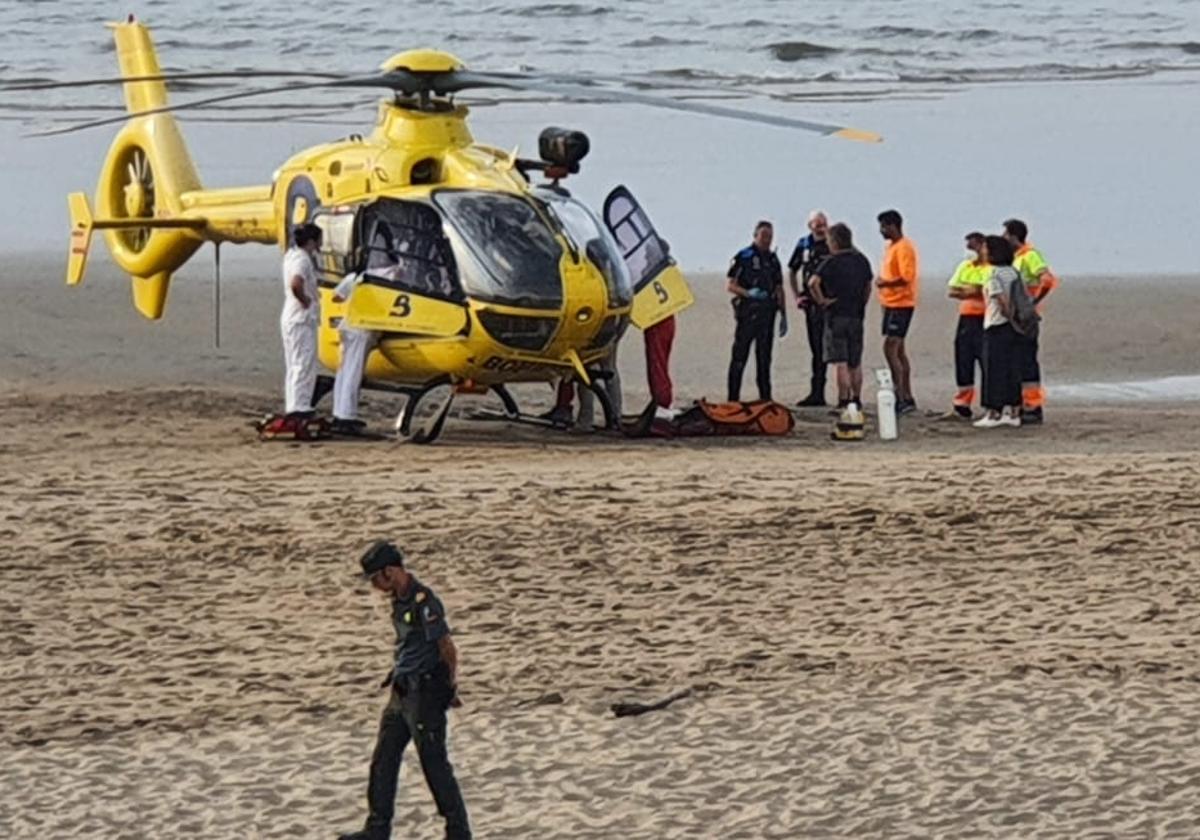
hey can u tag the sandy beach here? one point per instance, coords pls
(957, 636)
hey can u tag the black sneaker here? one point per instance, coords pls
(1031, 417)
(341, 426)
(364, 834)
(906, 406)
(813, 401)
(560, 416)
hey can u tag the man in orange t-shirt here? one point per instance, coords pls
(897, 284)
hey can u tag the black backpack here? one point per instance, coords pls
(1023, 316)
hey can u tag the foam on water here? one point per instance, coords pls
(1164, 389)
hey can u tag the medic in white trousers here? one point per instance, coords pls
(356, 344)
(299, 320)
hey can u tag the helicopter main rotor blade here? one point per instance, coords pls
(166, 77)
(466, 80)
(395, 80)
(568, 87)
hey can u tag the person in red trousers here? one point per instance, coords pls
(659, 338)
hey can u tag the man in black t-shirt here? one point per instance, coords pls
(841, 285)
(756, 283)
(810, 251)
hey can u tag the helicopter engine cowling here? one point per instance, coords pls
(145, 173)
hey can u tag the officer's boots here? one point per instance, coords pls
(816, 395)
(363, 834)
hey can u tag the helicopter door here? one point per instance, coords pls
(410, 280)
(659, 288)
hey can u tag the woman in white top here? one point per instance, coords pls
(300, 318)
(1001, 370)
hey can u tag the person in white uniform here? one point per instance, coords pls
(356, 344)
(299, 320)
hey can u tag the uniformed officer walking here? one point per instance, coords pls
(756, 283)
(423, 685)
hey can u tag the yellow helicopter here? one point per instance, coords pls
(474, 276)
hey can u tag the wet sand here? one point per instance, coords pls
(960, 635)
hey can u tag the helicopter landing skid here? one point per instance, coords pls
(522, 419)
(424, 414)
(513, 414)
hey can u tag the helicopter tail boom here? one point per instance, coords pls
(83, 224)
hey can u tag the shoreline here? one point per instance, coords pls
(1101, 334)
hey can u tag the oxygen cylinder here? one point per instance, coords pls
(885, 405)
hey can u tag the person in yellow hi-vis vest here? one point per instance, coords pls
(1040, 281)
(966, 286)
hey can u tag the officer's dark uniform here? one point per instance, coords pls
(753, 269)
(809, 253)
(421, 693)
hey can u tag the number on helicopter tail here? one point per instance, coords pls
(661, 291)
(401, 307)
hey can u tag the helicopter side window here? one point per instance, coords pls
(403, 247)
(509, 253)
(645, 253)
(337, 244)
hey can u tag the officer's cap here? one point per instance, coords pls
(379, 556)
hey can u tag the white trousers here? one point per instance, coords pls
(300, 365)
(348, 383)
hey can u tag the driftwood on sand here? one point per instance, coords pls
(629, 709)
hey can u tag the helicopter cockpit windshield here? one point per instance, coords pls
(505, 248)
(594, 241)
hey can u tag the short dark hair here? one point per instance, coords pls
(974, 236)
(1017, 229)
(841, 236)
(305, 233)
(999, 251)
(763, 223)
(891, 217)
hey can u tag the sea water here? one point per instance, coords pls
(1077, 116)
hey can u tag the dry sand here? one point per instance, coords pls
(957, 636)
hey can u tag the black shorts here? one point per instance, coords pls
(896, 321)
(844, 340)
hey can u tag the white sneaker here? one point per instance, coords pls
(1007, 419)
(987, 421)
